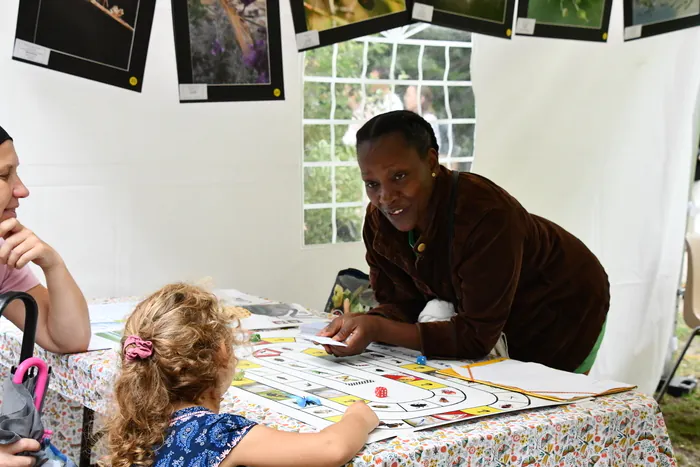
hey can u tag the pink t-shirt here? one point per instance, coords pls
(16, 280)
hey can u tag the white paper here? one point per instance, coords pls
(633, 32)
(32, 52)
(236, 297)
(313, 328)
(539, 379)
(193, 92)
(110, 312)
(525, 26)
(322, 340)
(423, 12)
(105, 336)
(307, 40)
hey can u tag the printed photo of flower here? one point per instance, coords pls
(229, 41)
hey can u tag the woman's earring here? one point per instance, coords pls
(434, 175)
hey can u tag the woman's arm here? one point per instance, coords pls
(64, 322)
(398, 297)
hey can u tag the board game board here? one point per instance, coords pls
(283, 367)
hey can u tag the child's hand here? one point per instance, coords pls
(362, 411)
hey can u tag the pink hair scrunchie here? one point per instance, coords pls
(137, 348)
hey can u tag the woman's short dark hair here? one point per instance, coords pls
(417, 132)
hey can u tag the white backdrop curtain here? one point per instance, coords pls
(600, 138)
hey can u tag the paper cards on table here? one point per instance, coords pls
(259, 313)
(537, 380)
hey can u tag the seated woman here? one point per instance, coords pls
(457, 237)
(64, 322)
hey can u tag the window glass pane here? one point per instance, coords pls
(434, 63)
(345, 142)
(317, 100)
(317, 185)
(317, 62)
(407, 61)
(348, 184)
(463, 140)
(317, 226)
(462, 102)
(348, 223)
(317, 143)
(349, 62)
(460, 62)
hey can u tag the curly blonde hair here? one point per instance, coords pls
(193, 340)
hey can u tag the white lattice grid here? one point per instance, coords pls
(395, 37)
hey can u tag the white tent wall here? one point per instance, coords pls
(600, 139)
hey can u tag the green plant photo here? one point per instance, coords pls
(576, 13)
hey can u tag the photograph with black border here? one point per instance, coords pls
(228, 50)
(319, 23)
(490, 17)
(582, 20)
(100, 40)
(647, 18)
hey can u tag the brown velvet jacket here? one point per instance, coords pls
(512, 272)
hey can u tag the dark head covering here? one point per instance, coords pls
(4, 136)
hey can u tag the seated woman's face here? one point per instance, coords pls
(398, 182)
(11, 187)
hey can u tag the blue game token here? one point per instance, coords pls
(421, 360)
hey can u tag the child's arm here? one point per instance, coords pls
(331, 447)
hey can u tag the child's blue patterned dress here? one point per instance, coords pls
(197, 437)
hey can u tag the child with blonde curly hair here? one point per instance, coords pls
(177, 362)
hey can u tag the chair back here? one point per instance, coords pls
(691, 304)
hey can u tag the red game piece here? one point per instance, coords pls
(380, 391)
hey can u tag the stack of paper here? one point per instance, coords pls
(537, 380)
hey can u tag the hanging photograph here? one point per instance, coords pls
(645, 18)
(101, 40)
(319, 23)
(228, 50)
(492, 17)
(584, 20)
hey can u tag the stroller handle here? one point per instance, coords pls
(30, 321)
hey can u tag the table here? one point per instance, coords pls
(621, 430)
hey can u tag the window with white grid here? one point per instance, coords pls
(348, 83)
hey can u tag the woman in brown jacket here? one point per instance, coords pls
(432, 233)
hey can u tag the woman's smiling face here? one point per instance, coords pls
(397, 179)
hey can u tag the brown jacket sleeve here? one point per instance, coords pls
(487, 262)
(398, 297)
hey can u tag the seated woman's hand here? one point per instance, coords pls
(357, 330)
(9, 457)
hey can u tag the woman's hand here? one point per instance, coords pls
(357, 330)
(9, 457)
(22, 246)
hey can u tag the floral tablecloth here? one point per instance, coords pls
(622, 430)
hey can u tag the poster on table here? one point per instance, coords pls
(492, 17)
(645, 18)
(584, 20)
(101, 40)
(228, 50)
(319, 23)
